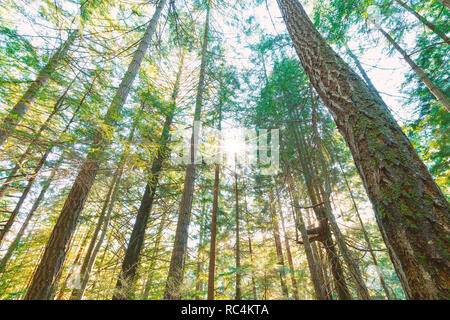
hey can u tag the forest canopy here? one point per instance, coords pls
(213, 149)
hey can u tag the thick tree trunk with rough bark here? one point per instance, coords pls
(58, 243)
(177, 262)
(22, 106)
(411, 211)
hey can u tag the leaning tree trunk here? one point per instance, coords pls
(124, 286)
(445, 3)
(422, 19)
(20, 109)
(105, 214)
(411, 211)
(57, 245)
(435, 90)
(32, 179)
(12, 247)
(177, 260)
(20, 163)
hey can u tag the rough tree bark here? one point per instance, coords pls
(411, 211)
(57, 246)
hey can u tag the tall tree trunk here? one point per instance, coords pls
(422, 19)
(435, 90)
(411, 211)
(300, 224)
(365, 234)
(57, 245)
(12, 247)
(130, 263)
(105, 214)
(34, 141)
(250, 251)
(156, 249)
(32, 179)
(238, 294)
(278, 246)
(445, 3)
(215, 212)
(77, 293)
(324, 229)
(74, 264)
(198, 272)
(361, 287)
(20, 109)
(177, 261)
(289, 257)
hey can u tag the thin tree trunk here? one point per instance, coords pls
(365, 234)
(154, 256)
(361, 287)
(212, 250)
(238, 294)
(363, 72)
(215, 212)
(324, 232)
(278, 246)
(435, 90)
(289, 257)
(34, 141)
(124, 286)
(32, 179)
(177, 261)
(300, 224)
(57, 245)
(445, 3)
(411, 211)
(422, 19)
(20, 109)
(12, 247)
(74, 264)
(105, 214)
